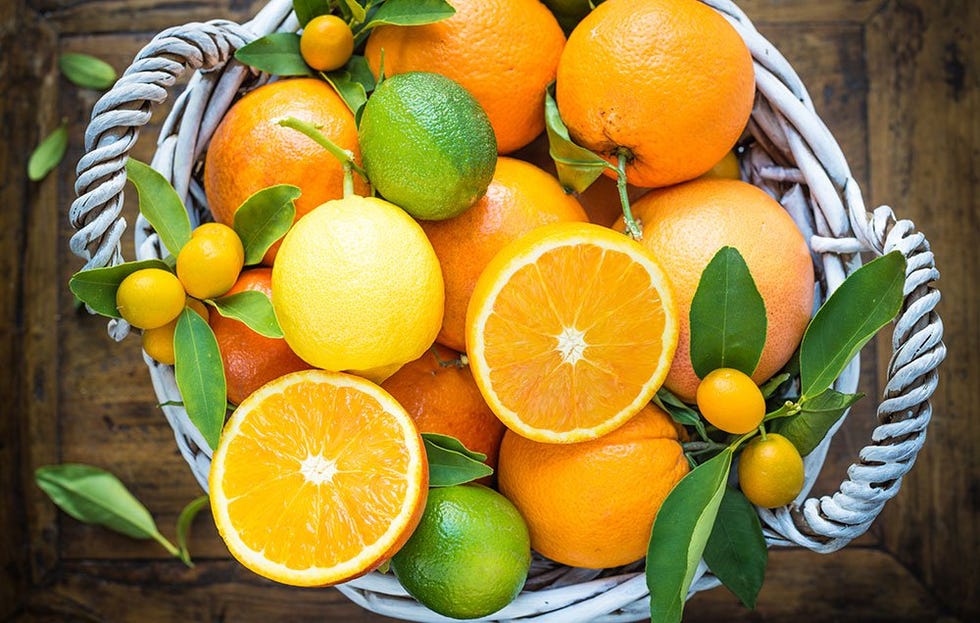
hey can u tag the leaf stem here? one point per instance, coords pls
(632, 228)
(346, 157)
(167, 545)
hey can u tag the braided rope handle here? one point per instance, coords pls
(794, 157)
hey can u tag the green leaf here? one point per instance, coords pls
(308, 9)
(451, 463)
(728, 316)
(252, 308)
(356, 10)
(770, 386)
(264, 218)
(577, 166)
(160, 205)
(97, 287)
(864, 303)
(817, 416)
(48, 154)
(736, 550)
(200, 375)
(87, 71)
(95, 496)
(679, 412)
(277, 54)
(351, 91)
(184, 521)
(409, 13)
(680, 533)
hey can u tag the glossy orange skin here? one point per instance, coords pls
(685, 225)
(251, 360)
(445, 399)
(592, 504)
(669, 81)
(251, 151)
(520, 197)
(731, 401)
(504, 52)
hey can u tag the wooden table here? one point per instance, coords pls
(896, 81)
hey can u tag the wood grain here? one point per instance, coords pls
(896, 83)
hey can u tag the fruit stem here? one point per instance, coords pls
(348, 180)
(631, 226)
(346, 157)
(762, 431)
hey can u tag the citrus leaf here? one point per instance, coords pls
(577, 166)
(351, 91)
(308, 9)
(264, 218)
(277, 54)
(817, 416)
(728, 316)
(200, 375)
(97, 287)
(253, 309)
(736, 550)
(357, 11)
(184, 521)
(95, 496)
(678, 411)
(160, 205)
(48, 154)
(680, 533)
(409, 13)
(87, 71)
(450, 463)
(770, 386)
(864, 303)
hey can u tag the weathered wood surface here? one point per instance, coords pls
(896, 82)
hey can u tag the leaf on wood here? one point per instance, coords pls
(48, 154)
(87, 71)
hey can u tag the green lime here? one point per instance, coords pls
(469, 555)
(427, 145)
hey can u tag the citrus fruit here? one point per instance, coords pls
(592, 504)
(726, 168)
(439, 392)
(251, 360)
(318, 478)
(668, 83)
(357, 286)
(731, 401)
(251, 151)
(770, 471)
(150, 297)
(326, 43)
(469, 555)
(520, 197)
(570, 331)
(685, 225)
(209, 263)
(159, 342)
(427, 145)
(504, 52)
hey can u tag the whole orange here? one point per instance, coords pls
(251, 151)
(685, 225)
(669, 83)
(520, 197)
(592, 504)
(251, 360)
(441, 396)
(504, 52)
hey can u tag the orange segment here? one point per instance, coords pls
(570, 331)
(319, 477)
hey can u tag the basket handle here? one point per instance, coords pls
(828, 523)
(116, 121)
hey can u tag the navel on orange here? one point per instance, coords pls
(319, 477)
(570, 331)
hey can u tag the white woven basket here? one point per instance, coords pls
(792, 156)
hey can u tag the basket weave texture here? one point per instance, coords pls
(791, 155)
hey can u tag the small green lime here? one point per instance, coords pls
(469, 555)
(427, 145)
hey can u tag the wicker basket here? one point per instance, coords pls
(792, 156)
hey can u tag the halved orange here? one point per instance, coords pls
(570, 331)
(319, 477)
